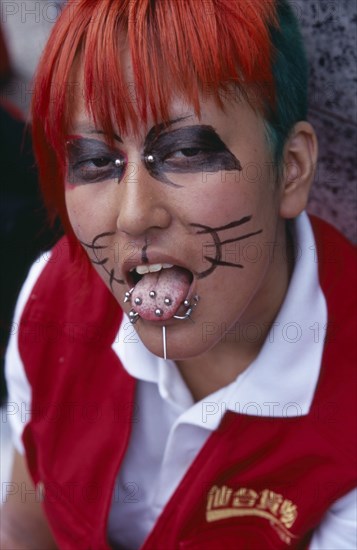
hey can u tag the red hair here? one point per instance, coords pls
(179, 46)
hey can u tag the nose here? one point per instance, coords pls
(142, 202)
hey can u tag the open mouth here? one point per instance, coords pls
(159, 290)
(137, 273)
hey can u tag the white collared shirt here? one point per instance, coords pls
(169, 429)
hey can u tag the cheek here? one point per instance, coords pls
(87, 216)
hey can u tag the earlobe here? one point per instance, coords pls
(300, 158)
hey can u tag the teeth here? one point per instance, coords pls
(143, 269)
(154, 267)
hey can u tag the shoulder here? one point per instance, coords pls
(336, 255)
(337, 268)
(337, 388)
(68, 306)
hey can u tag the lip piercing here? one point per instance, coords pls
(133, 316)
(150, 158)
(127, 295)
(190, 307)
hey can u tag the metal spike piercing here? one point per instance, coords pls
(164, 341)
(127, 295)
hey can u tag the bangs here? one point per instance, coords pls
(196, 49)
(193, 48)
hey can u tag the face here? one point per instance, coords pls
(195, 193)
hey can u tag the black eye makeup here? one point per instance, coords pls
(92, 161)
(186, 150)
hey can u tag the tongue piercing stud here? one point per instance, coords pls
(127, 295)
(158, 312)
(133, 316)
(138, 301)
(150, 159)
(152, 294)
(168, 301)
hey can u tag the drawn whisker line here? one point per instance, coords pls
(93, 246)
(213, 261)
(113, 279)
(101, 235)
(242, 221)
(242, 237)
(99, 262)
(206, 229)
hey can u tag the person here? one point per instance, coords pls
(183, 372)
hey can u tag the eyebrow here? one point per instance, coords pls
(162, 126)
(87, 129)
(175, 120)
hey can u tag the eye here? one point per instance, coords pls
(95, 170)
(188, 152)
(187, 156)
(92, 161)
(100, 162)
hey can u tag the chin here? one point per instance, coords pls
(182, 342)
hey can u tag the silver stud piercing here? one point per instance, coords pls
(150, 158)
(138, 301)
(167, 301)
(158, 312)
(152, 294)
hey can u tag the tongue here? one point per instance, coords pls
(170, 284)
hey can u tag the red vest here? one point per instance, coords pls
(257, 483)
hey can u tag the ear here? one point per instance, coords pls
(300, 158)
